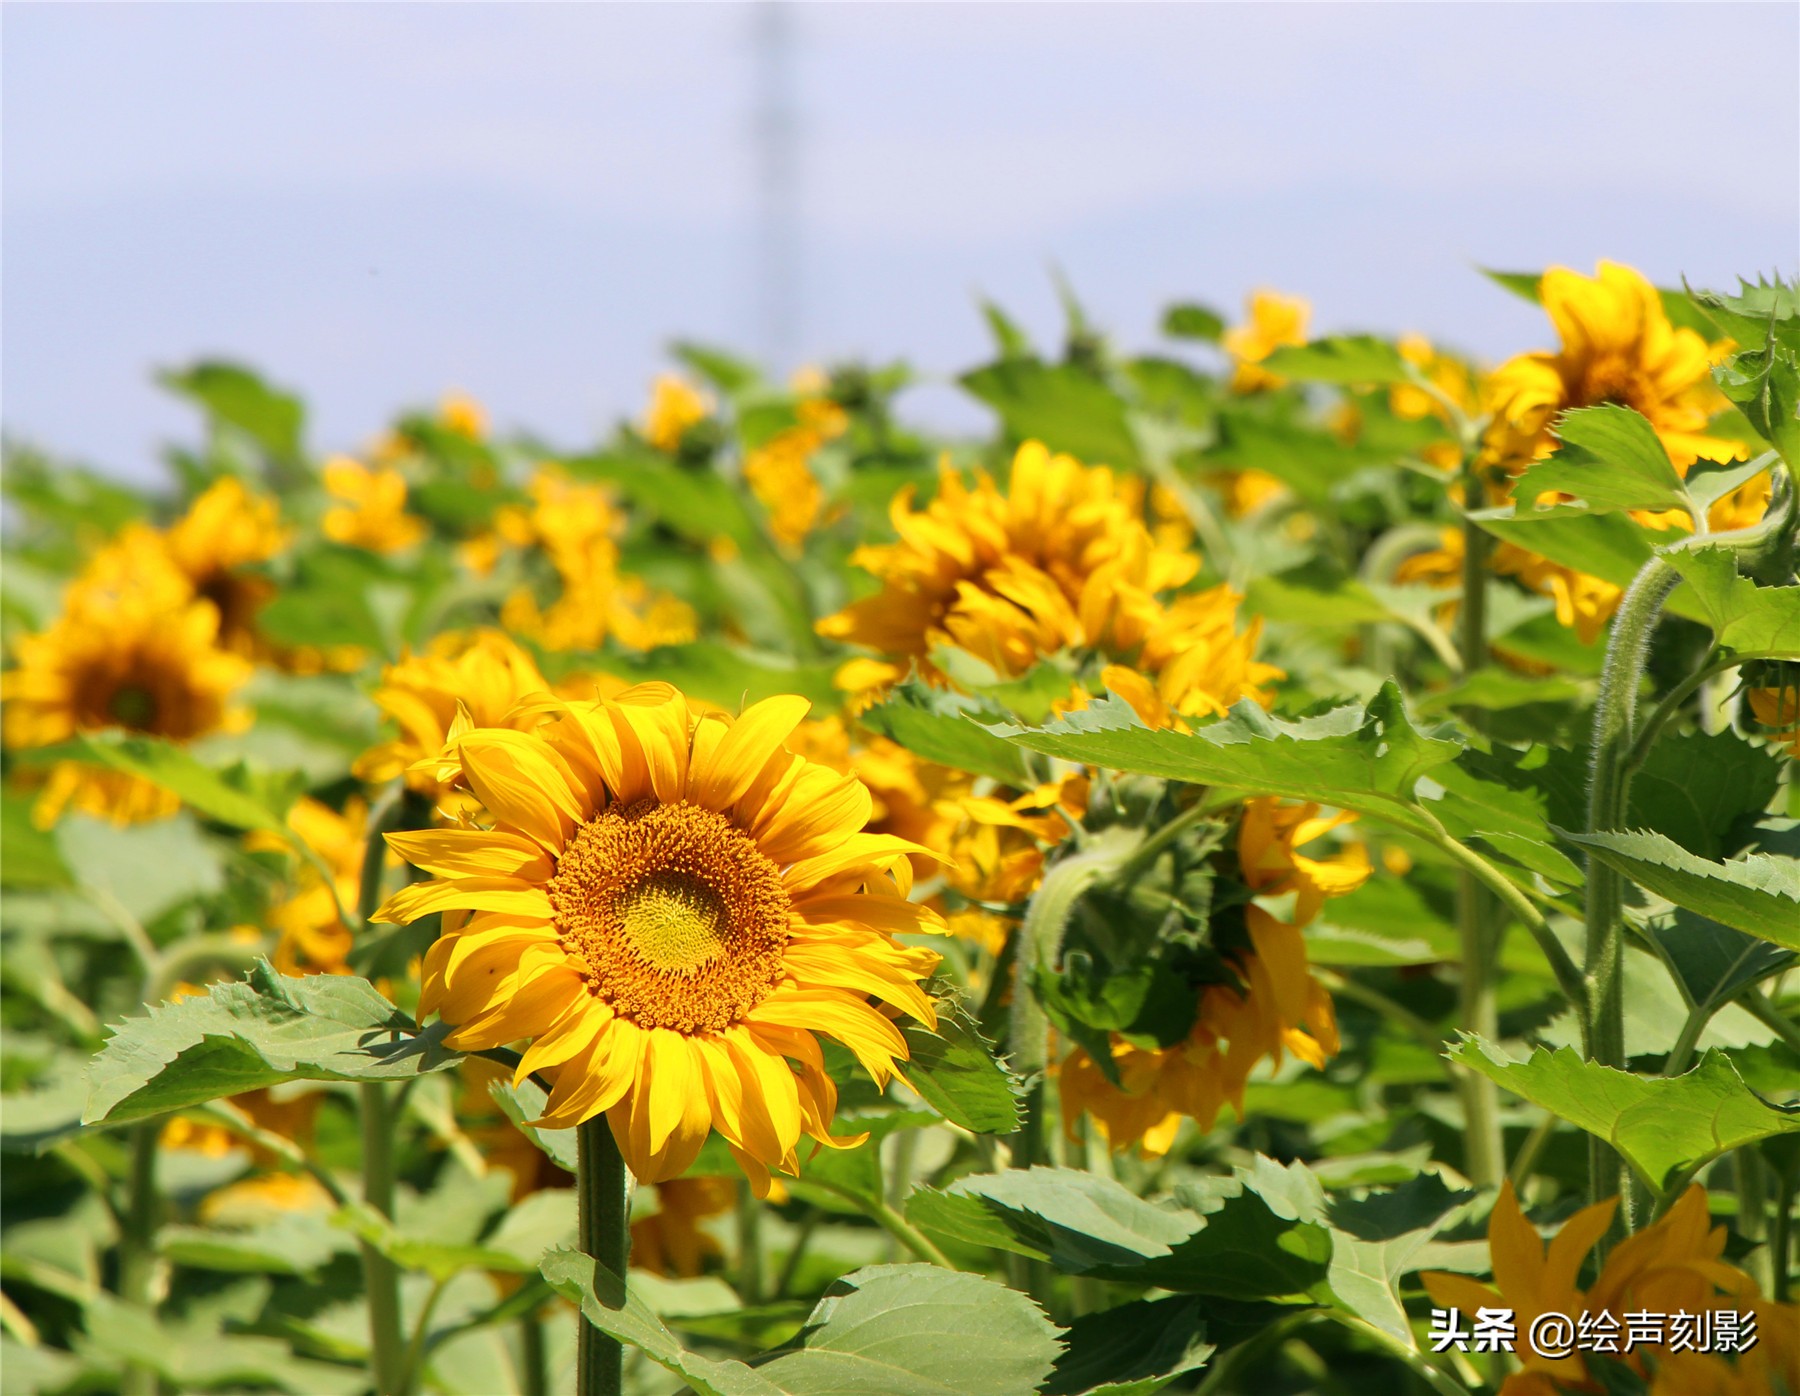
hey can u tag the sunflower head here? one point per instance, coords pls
(371, 512)
(675, 405)
(671, 905)
(1273, 320)
(224, 531)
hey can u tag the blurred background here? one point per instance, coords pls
(376, 203)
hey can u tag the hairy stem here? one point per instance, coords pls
(1609, 789)
(605, 1236)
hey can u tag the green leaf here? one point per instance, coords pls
(233, 395)
(1378, 1238)
(28, 854)
(918, 1330)
(1758, 894)
(940, 726)
(1009, 339)
(238, 796)
(1611, 459)
(1523, 284)
(1660, 1125)
(288, 1244)
(1132, 1350)
(1312, 463)
(1062, 405)
(1749, 316)
(1343, 359)
(1765, 386)
(1357, 758)
(954, 1071)
(724, 370)
(1078, 1221)
(439, 1259)
(728, 675)
(1710, 481)
(607, 1305)
(526, 1101)
(1488, 795)
(1745, 617)
(1713, 963)
(147, 869)
(1190, 321)
(243, 1036)
(1704, 790)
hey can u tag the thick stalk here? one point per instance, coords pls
(533, 1359)
(1627, 649)
(137, 1242)
(750, 1248)
(1484, 1150)
(381, 1277)
(1781, 1232)
(605, 1234)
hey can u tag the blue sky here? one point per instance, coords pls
(376, 203)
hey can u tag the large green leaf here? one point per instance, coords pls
(1704, 790)
(1063, 405)
(1745, 617)
(1765, 385)
(237, 796)
(1610, 459)
(1344, 359)
(1755, 312)
(1712, 963)
(918, 1330)
(1132, 1350)
(243, 1036)
(236, 397)
(1612, 547)
(1758, 894)
(940, 726)
(1364, 758)
(954, 1070)
(1660, 1125)
(1312, 463)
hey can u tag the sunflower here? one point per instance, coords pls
(373, 513)
(669, 1240)
(1778, 709)
(482, 673)
(1618, 346)
(778, 472)
(1274, 322)
(670, 905)
(1453, 380)
(310, 935)
(1277, 1005)
(1673, 1265)
(675, 405)
(224, 531)
(144, 661)
(463, 415)
(577, 527)
(1193, 661)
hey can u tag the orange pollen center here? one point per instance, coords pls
(682, 921)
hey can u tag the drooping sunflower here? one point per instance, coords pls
(670, 905)
(144, 661)
(1618, 346)
(1276, 1006)
(1674, 1265)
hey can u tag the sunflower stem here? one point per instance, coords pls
(1627, 650)
(750, 1247)
(137, 1243)
(381, 1277)
(533, 1359)
(600, 1183)
(1484, 1149)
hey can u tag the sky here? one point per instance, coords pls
(376, 203)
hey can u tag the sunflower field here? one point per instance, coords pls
(1275, 871)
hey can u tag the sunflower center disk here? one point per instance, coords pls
(681, 919)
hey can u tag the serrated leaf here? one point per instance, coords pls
(1704, 790)
(1712, 963)
(1758, 894)
(954, 1070)
(1132, 1350)
(1748, 316)
(1660, 1125)
(1343, 359)
(1078, 1221)
(1765, 386)
(939, 726)
(1745, 617)
(1610, 459)
(1362, 758)
(243, 1036)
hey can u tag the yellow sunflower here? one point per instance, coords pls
(224, 531)
(144, 662)
(1279, 1006)
(1274, 321)
(669, 1240)
(1618, 346)
(373, 512)
(670, 905)
(310, 936)
(1674, 1265)
(1778, 709)
(1452, 378)
(778, 471)
(675, 405)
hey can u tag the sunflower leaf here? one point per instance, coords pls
(1758, 894)
(1346, 359)
(1745, 617)
(1132, 1350)
(244, 1036)
(942, 727)
(1610, 459)
(1661, 1125)
(237, 796)
(954, 1070)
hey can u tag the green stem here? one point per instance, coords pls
(415, 1348)
(601, 1182)
(227, 1115)
(533, 1359)
(137, 1242)
(894, 1223)
(1436, 1378)
(381, 1277)
(750, 1250)
(1526, 1159)
(1659, 716)
(1781, 1232)
(1681, 1055)
(1766, 1013)
(790, 1266)
(1627, 650)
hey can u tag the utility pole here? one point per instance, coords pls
(776, 134)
